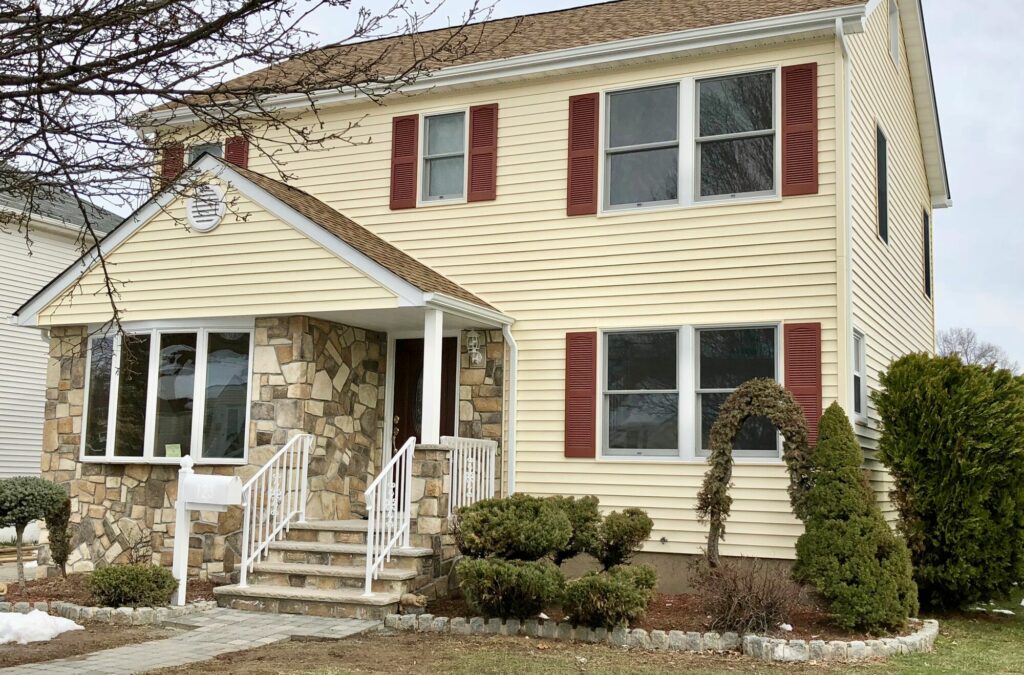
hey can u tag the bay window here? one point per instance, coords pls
(444, 156)
(157, 395)
(642, 393)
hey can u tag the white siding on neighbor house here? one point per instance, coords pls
(889, 303)
(23, 351)
(769, 261)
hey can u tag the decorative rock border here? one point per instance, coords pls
(763, 648)
(118, 616)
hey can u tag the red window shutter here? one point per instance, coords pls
(172, 161)
(580, 394)
(800, 130)
(236, 151)
(483, 152)
(803, 371)
(404, 156)
(584, 132)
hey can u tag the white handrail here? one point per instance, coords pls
(388, 508)
(472, 463)
(273, 498)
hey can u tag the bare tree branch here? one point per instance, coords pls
(964, 343)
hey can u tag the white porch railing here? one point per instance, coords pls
(472, 470)
(273, 499)
(388, 508)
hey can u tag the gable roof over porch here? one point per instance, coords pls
(277, 250)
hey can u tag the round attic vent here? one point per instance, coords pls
(205, 208)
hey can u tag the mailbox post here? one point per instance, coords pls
(197, 493)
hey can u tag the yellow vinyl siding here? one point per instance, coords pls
(767, 261)
(889, 304)
(251, 264)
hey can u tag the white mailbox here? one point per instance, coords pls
(210, 493)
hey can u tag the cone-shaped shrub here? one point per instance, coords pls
(847, 552)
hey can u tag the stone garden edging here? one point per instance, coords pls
(763, 648)
(118, 616)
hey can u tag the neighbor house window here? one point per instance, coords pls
(927, 241)
(882, 176)
(860, 388)
(736, 135)
(444, 156)
(642, 147)
(641, 394)
(196, 151)
(894, 31)
(161, 394)
(726, 358)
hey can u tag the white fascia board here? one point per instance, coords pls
(604, 53)
(466, 310)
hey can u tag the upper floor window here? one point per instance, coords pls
(882, 176)
(196, 151)
(859, 381)
(736, 135)
(444, 156)
(927, 241)
(642, 148)
(158, 395)
(894, 31)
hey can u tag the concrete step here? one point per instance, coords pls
(344, 555)
(302, 575)
(329, 531)
(342, 602)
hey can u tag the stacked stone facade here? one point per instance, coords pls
(309, 376)
(482, 389)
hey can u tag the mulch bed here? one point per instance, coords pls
(680, 612)
(75, 589)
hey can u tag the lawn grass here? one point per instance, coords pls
(968, 643)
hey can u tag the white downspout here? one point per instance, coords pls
(513, 395)
(846, 323)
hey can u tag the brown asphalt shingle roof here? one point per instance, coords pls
(361, 239)
(504, 38)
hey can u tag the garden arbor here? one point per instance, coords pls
(755, 398)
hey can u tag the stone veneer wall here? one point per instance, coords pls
(310, 376)
(481, 392)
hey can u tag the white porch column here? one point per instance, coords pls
(433, 329)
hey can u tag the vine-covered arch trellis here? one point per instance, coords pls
(764, 398)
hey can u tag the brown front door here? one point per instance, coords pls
(409, 388)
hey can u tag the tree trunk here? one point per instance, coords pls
(714, 534)
(19, 531)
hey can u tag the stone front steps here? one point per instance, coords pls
(319, 569)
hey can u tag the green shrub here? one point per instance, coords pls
(59, 536)
(132, 585)
(620, 535)
(509, 588)
(613, 598)
(519, 527)
(953, 439)
(847, 552)
(24, 499)
(745, 596)
(584, 517)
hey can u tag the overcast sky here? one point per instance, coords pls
(979, 257)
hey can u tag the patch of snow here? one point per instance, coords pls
(786, 627)
(35, 626)
(542, 615)
(1006, 612)
(978, 609)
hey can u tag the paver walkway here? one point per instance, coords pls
(214, 632)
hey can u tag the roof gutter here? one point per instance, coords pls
(602, 54)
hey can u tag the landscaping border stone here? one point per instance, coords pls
(772, 650)
(120, 616)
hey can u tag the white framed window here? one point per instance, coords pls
(894, 31)
(735, 144)
(642, 147)
(641, 393)
(444, 157)
(860, 385)
(725, 358)
(157, 394)
(196, 151)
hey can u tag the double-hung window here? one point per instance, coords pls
(860, 388)
(642, 147)
(444, 156)
(196, 151)
(641, 393)
(736, 135)
(157, 395)
(726, 358)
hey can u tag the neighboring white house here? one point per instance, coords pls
(24, 269)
